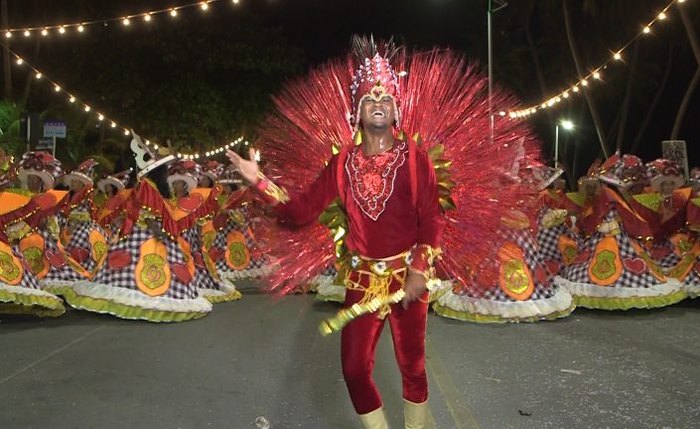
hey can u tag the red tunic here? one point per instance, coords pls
(375, 187)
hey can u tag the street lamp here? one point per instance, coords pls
(568, 126)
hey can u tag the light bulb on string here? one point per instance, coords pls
(38, 75)
(62, 30)
(100, 117)
(8, 34)
(71, 99)
(20, 61)
(126, 22)
(204, 6)
(113, 124)
(44, 32)
(173, 12)
(27, 33)
(57, 88)
(81, 28)
(646, 30)
(147, 17)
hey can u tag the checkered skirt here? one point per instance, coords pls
(534, 260)
(578, 272)
(29, 279)
(256, 265)
(126, 277)
(202, 278)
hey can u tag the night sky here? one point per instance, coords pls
(317, 30)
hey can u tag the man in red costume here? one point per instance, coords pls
(388, 189)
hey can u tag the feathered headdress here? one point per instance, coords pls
(374, 75)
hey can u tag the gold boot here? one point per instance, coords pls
(417, 416)
(374, 420)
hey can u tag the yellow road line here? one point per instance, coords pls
(459, 410)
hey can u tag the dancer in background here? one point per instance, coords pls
(146, 275)
(20, 290)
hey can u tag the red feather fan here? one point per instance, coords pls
(444, 101)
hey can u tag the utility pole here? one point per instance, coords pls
(500, 4)
(7, 69)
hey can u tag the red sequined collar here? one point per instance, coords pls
(372, 178)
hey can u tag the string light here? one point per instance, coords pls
(596, 72)
(113, 124)
(72, 99)
(81, 26)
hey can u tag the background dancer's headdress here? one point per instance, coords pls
(186, 170)
(661, 170)
(212, 169)
(543, 175)
(119, 180)
(624, 171)
(146, 159)
(85, 172)
(42, 165)
(229, 176)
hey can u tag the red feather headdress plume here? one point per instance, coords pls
(444, 106)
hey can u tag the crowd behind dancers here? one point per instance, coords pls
(166, 240)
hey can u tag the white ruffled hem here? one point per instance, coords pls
(693, 290)
(19, 290)
(57, 283)
(328, 291)
(595, 291)
(224, 290)
(536, 308)
(247, 274)
(135, 298)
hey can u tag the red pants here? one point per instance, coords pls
(359, 342)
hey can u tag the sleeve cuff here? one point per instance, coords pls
(422, 260)
(272, 193)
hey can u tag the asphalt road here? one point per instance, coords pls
(258, 357)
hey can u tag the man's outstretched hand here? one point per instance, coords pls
(247, 169)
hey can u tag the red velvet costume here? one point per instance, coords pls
(383, 223)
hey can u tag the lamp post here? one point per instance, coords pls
(568, 126)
